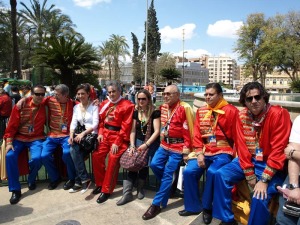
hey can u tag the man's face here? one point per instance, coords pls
(254, 101)
(113, 93)
(171, 95)
(212, 97)
(38, 95)
(60, 97)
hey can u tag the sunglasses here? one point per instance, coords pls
(168, 93)
(250, 99)
(39, 94)
(142, 99)
(209, 94)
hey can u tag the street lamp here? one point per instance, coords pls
(182, 83)
(146, 50)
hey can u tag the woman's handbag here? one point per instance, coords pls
(134, 162)
(89, 142)
(139, 159)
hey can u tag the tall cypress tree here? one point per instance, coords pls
(136, 60)
(154, 44)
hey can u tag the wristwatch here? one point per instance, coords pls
(264, 180)
(292, 186)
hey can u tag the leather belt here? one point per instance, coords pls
(170, 140)
(110, 127)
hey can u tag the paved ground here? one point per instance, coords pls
(58, 207)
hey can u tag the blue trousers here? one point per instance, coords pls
(49, 146)
(282, 218)
(35, 163)
(191, 176)
(163, 165)
(78, 157)
(231, 174)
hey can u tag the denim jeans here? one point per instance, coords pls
(78, 157)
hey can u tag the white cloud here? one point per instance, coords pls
(168, 34)
(89, 3)
(193, 53)
(224, 28)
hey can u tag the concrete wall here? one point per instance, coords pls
(292, 107)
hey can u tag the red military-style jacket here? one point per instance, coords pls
(219, 126)
(21, 120)
(273, 138)
(5, 105)
(181, 117)
(118, 115)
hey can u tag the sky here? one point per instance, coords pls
(209, 25)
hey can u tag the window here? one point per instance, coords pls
(274, 81)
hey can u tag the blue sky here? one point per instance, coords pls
(209, 25)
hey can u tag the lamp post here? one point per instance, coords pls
(146, 50)
(182, 83)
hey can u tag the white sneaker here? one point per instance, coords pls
(85, 186)
(75, 188)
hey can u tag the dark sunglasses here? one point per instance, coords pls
(142, 99)
(39, 94)
(250, 99)
(209, 94)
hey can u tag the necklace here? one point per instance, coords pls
(143, 119)
(84, 109)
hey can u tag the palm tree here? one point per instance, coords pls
(69, 56)
(119, 48)
(16, 64)
(106, 53)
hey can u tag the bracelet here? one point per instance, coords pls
(147, 144)
(291, 153)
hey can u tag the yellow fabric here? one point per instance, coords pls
(3, 174)
(217, 108)
(189, 116)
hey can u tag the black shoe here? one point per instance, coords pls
(75, 188)
(54, 184)
(229, 223)
(103, 197)
(31, 186)
(15, 197)
(151, 212)
(187, 213)
(207, 216)
(69, 184)
(97, 190)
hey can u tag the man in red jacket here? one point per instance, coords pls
(25, 130)
(114, 130)
(262, 133)
(5, 110)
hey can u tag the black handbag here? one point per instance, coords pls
(89, 142)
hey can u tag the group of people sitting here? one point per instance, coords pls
(229, 145)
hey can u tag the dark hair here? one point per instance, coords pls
(85, 87)
(250, 86)
(14, 88)
(215, 86)
(132, 82)
(38, 86)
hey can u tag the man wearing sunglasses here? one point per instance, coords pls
(262, 135)
(177, 119)
(25, 129)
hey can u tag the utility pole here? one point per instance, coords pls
(182, 83)
(146, 57)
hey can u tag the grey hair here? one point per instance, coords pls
(63, 89)
(115, 84)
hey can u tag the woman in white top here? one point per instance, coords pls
(86, 114)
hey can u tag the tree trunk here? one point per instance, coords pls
(16, 65)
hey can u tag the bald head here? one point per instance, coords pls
(171, 94)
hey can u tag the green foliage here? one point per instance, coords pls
(170, 74)
(136, 60)
(69, 56)
(295, 86)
